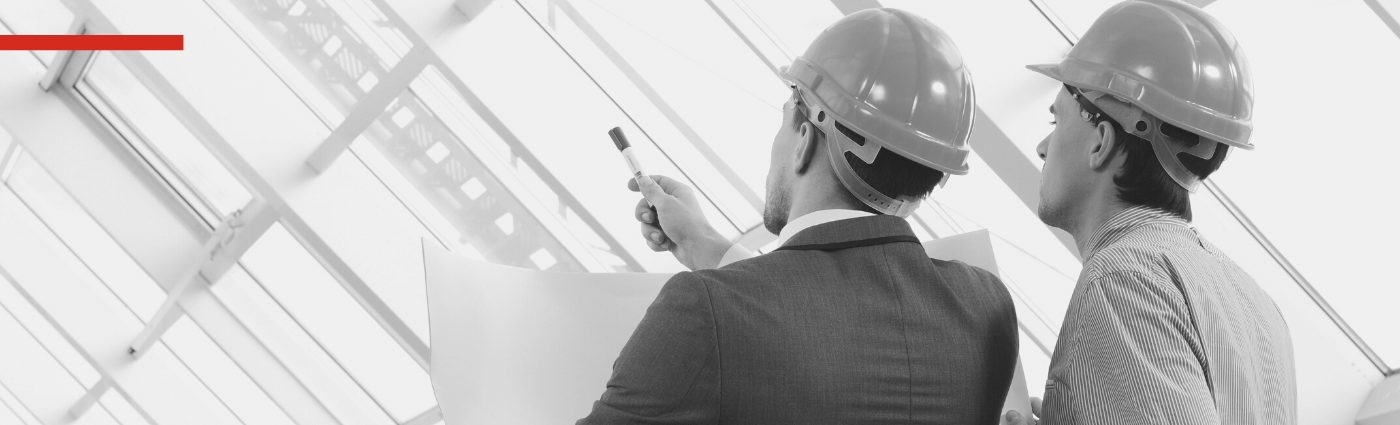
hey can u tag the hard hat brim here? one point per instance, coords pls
(1051, 70)
(1205, 123)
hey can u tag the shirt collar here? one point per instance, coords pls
(814, 218)
(1124, 222)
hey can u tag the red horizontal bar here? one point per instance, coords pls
(92, 42)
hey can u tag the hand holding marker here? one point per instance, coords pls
(628, 154)
(638, 176)
(685, 233)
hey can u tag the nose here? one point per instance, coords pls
(1041, 148)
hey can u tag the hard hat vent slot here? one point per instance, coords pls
(1141, 126)
(855, 137)
(1185, 137)
(821, 116)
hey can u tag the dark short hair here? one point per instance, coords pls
(890, 173)
(1143, 182)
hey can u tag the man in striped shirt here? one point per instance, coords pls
(1162, 328)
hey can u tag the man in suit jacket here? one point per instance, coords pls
(848, 321)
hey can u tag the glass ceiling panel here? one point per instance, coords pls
(338, 324)
(371, 26)
(285, 338)
(316, 39)
(162, 140)
(1295, 137)
(23, 180)
(1388, 11)
(624, 76)
(179, 158)
(319, 50)
(1329, 369)
(222, 375)
(442, 167)
(33, 17)
(14, 412)
(559, 116)
(121, 409)
(34, 382)
(702, 95)
(97, 319)
(42, 195)
(60, 214)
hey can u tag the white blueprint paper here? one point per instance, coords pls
(519, 346)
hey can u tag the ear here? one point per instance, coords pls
(806, 148)
(1104, 145)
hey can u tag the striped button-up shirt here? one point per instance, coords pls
(1163, 328)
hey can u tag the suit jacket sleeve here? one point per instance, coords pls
(1142, 356)
(668, 373)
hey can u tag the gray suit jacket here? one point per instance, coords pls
(849, 322)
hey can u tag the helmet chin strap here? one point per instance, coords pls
(1147, 127)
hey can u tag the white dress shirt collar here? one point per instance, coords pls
(814, 218)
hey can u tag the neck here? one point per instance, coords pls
(829, 195)
(1095, 212)
(803, 208)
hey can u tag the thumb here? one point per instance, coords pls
(651, 190)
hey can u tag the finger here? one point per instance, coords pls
(673, 187)
(654, 235)
(653, 191)
(644, 212)
(661, 247)
(632, 185)
(1035, 405)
